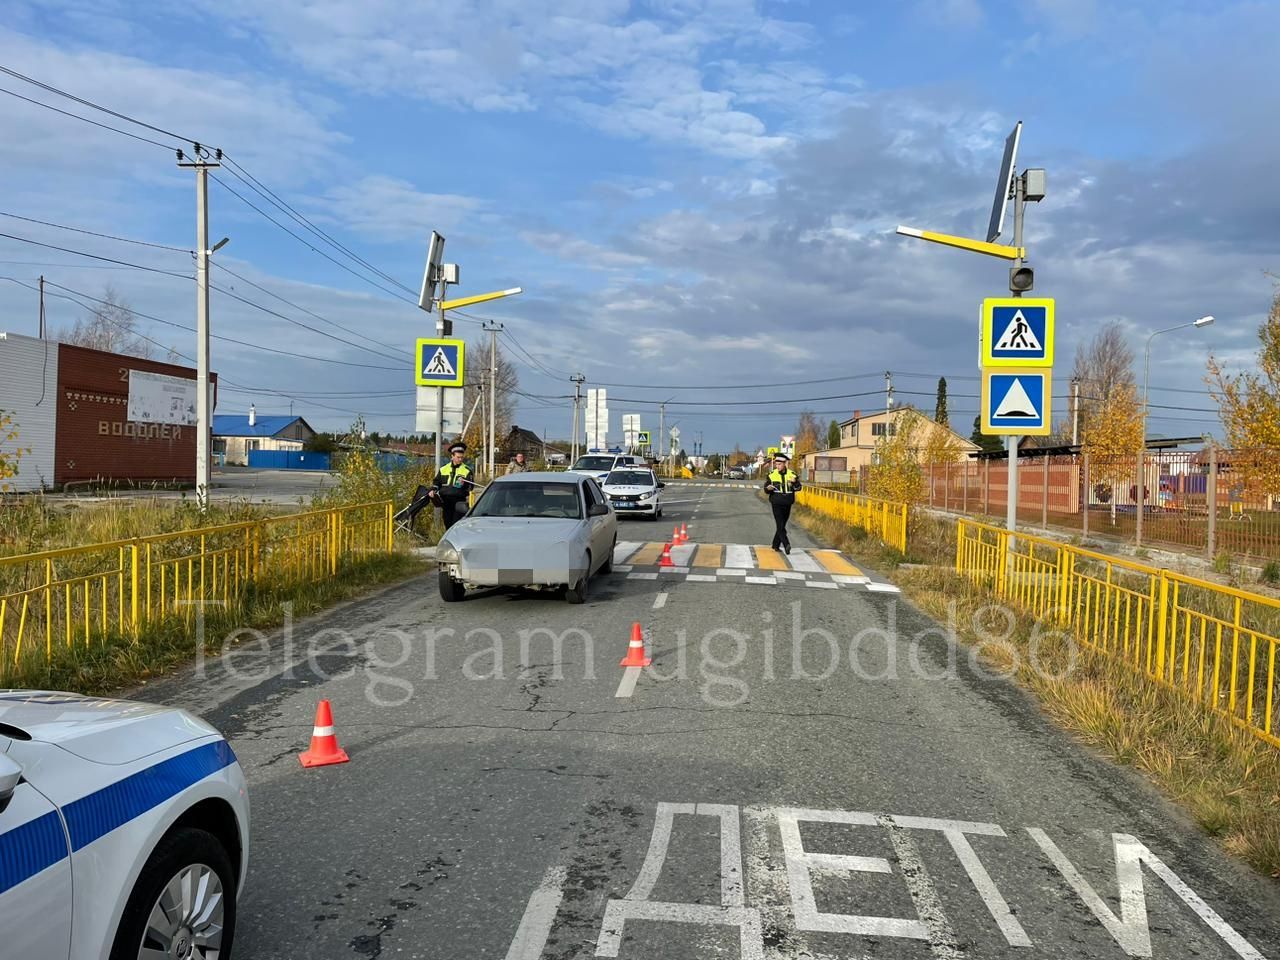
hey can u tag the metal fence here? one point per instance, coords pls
(1214, 644)
(61, 600)
(882, 519)
(1205, 501)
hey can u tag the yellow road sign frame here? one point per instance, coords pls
(987, 333)
(478, 298)
(1017, 430)
(433, 342)
(965, 243)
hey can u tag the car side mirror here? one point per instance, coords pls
(10, 776)
(597, 510)
(462, 508)
(661, 484)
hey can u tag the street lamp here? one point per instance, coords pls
(1146, 376)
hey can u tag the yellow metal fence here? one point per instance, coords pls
(75, 597)
(882, 519)
(1215, 644)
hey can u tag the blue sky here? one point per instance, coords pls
(690, 193)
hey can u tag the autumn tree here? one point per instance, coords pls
(833, 434)
(10, 452)
(508, 381)
(1249, 405)
(808, 436)
(1114, 438)
(940, 414)
(895, 473)
(110, 325)
(1103, 365)
(987, 443)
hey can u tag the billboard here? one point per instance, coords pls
(156, 398)
(597, 419)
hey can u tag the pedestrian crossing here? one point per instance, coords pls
(757, 565)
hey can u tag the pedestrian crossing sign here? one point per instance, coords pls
(1017, 332)
(1016, 402)
(440, 363)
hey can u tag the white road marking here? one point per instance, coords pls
(800, 560)
(703, 578)
(660, 601)
(942, 938)
(624, 549)
(768, 580)
(535, 926)
(954, 831)
(628, 684)
(636, 905)
(682, 554)
(642, 576)
(675, 570)
(788, 575)
(731, 572)
(1130, 930)
(738, 555)
(849, 580)
(822, 584)
(883, 588)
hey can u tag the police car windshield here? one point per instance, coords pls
(594, 463)
(629, 478)
(547, 501)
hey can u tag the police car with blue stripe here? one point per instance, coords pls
(124, 831)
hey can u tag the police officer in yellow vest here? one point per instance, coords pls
(452, 484)
(781, 486)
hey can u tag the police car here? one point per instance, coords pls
(124, 831)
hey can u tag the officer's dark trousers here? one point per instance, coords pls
(449, 507)
(781, 514)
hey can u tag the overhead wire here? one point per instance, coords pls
(92, 233)
(95, 123)
(94, 256)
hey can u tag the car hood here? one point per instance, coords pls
(476, 531)
(627, 488)
(96, 729)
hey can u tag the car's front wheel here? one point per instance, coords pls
(184, 903)
(451, 591)
(577, 593)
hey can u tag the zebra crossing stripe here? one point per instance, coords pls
(739, 555)
(803, 562)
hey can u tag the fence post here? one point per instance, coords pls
(1002, 542)
(133, 587)
(387, 519)
(1044, 494)
(960, 546)
(986, 487)
(1139, 494)
(1162, 623)
(1087, 493)
(964, 490)
(1211, 500)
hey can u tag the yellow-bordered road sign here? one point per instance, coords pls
(1017, 332)
(440, 362)
(642, 438)
(1017, 402)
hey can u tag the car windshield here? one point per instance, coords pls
(629, 478)
(550, 501)
(594, 463)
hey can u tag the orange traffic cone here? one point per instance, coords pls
(324, 745)
(666, 560)
(675, 535)
(635, 650)
(684, 533)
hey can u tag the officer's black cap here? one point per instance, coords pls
(458, 447)
(781, 456)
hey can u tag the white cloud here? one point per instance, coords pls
(388, 209)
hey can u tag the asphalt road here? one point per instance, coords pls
(748, 798)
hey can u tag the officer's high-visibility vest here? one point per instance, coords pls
(455, 475)
(783, 482)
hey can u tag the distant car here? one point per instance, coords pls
(600, 465)
(124, 831)
(736, 474)
(540, 530)
(634, 490)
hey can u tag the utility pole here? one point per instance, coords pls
(492, 328)
(662, 436)
(201, 164)
(888, 390)
(42, 306)
(1019, 203)
(1075, 411)
(578, 380)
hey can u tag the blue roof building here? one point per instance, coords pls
(234, 436)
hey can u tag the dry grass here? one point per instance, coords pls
(1225, 778)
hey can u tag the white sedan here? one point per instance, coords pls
(634, 491)
(124, 831)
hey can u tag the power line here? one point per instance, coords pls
(310, 313)
(95, 123)
(91, 233)
(94, 256)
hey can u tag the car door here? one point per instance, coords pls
(35, 869)
(600, 527)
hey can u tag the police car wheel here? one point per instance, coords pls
(451, 591)
(606, 568)
(184, 903)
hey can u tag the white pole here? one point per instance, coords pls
(204, 425)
